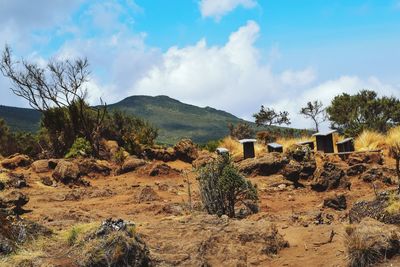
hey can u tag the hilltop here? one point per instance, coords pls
(174, 119)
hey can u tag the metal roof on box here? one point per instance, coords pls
(305, 142)
(247, 141)
(344, 141)
(274, 145)
(325, 133)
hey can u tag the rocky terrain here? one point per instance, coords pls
(87, 212)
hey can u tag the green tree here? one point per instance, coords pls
(222, 187)
(58, 92)
(268, 116)
(315, 111)
(351, 114)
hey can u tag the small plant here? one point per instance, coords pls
(120, 156)
(393, 202)
(222, 187)
(81, 147)
(73, 236)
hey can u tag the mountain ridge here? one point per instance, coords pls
(175, 119)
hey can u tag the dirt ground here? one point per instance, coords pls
(170, 229)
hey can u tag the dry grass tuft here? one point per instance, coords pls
(236, 149)
(370, 242)
(393, 141)
(393, 206)
(289, 142)
(369, 140)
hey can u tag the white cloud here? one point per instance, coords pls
(219, 8)
(230, 77)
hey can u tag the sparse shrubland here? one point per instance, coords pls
(222, 187)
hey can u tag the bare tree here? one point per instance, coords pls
(315, 111)
(60, 84)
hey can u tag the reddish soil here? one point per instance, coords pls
(169, 228)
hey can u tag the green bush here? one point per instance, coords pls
(81, 147)
(222, 187)
(131, 133)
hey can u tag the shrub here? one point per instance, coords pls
(131, 133)
(240, 131)
(211, 145)
(120, 156)
(371, 242)
(81, 147)
(222, 187)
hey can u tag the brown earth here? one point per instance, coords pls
(177, 236)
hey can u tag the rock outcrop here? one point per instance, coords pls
(268, 164)
(15, 161)
(67, 172)
(131, 164)
(330, 176)
(186, 151)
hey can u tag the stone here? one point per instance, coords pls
(67, 172)
(15, 161)
(163, 154)
(356, 169)
(131, 164)
(12, 203)
(186, 151)
(147, 194)
(377, 174)
(367, 157)
(204, 158)
(268, 164)
(46, 180)
(90, 166)
(330, 177)
(336, 202)
(40, 166)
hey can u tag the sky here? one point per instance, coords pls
(234, 55)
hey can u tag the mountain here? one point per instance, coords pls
(174, 119)
(22, 119)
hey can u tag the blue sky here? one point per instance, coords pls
(230, 54)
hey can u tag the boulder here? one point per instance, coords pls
(67, 172)
(157, 169)
(292, 170)
(108, 149)
(40, 166)
(87, 166)
(378, 174)
(163, 154)
(204, 158)
(330, 176)
(186, 151)
(147, 194)
(356, 169)
(13, 202)
(268, 164)
(46, 180)
(336, 202)
(131, 164)
(16, 180)
(367, 157)
(15, 161)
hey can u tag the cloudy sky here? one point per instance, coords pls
(233, 55)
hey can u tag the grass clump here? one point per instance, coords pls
(369, 140)
(371, 242)
(393, 202)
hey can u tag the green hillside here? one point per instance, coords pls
(177, 120)
(174, 119)
(21, 119)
